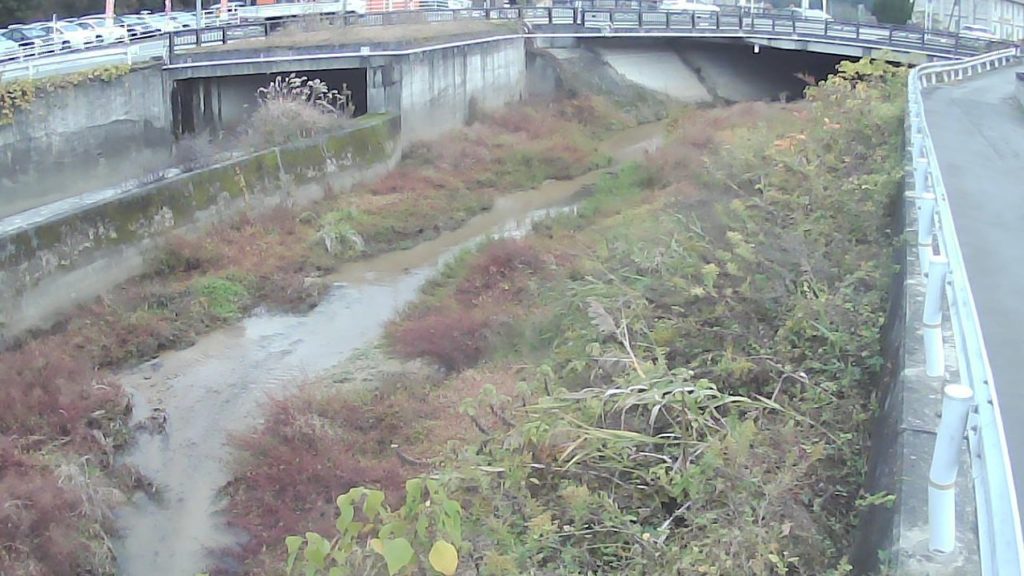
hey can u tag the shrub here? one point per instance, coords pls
(454, 338)
(184, 254)
(501, 270)
(50, 392)
(38, 519)
(295, 467)
(340, 238)
(294, 107)
(220, 296)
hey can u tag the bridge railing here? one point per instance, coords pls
(999, 526)
(579, 18)
(592, 16)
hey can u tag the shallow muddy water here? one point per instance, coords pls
(218, 386)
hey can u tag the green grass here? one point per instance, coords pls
(222, 297)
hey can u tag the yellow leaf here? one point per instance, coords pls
(376, 545)
(444, 558)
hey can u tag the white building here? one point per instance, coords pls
(1004, 18)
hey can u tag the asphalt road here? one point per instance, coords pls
(977, 129)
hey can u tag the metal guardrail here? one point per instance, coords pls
(999, 525)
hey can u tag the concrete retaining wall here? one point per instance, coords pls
(440, 88)
(75, 125)
(47, 266)
(433, 89)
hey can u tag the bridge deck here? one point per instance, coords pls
(977, 128)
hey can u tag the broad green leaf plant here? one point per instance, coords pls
(421, 537)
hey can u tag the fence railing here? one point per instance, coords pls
(999, 527)
(566, 16)
(728, 21)
(70, 61)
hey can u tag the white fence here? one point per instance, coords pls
(999, 528)
(102, 46)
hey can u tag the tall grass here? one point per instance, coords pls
(694, 366)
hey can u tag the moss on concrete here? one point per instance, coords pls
(72, 240)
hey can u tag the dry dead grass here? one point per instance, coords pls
(323, 33)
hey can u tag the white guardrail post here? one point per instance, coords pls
(970, 406)
(956, 406)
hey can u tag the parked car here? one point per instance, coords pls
(677, 5)
(29, 39)
(135, 29)
(66, 36)
(9, 49)
(137, 20)
(186, 20)
(232, 6)
(805, 13)
(978, 31)
(104, 34)
(161, 22)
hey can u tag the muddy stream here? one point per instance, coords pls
(217, 387)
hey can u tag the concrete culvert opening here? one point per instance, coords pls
(224, 105)
(691, 71)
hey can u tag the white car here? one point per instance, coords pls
(676, 5)
(105, 34)
(9, 49)
(65, 35)
(978, 31)
(31, 41)
(806, 13)
(161, 22)
(184, 19)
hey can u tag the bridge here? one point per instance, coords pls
(585, 19)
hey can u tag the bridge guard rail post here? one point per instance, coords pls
(956, 405)
(934, 352)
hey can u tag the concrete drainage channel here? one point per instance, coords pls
(233, 372)
(909, 413)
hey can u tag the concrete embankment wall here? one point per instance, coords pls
(48, 266)
(440, 88)
(433, 89)
(75, 125)
(712, 71)
(75, 249)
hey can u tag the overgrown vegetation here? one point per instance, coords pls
(63, 415)
(295, 108)
(17, 95)
(677, 380)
